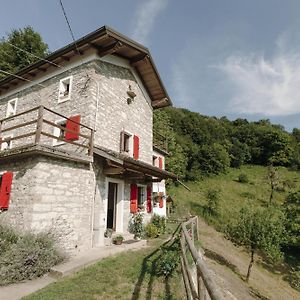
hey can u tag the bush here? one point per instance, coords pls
(213, 202)
(243, 178)
(167, 263)
(151, 231)
(25, 256)
(136, 225)
(160, 223)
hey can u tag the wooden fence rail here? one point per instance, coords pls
(38, 132)
(205, 288)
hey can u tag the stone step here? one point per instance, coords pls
(94, 255)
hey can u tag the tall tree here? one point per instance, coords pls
(259, 230)
(16, 47)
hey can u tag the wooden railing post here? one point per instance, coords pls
(201, 287)
(91, 143)
(39, 125)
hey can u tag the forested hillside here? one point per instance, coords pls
(201, 145)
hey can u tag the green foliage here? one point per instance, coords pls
(151, 231)
(25, 256)
(136, 225)
(243, 178)
(167, 263)
(213, 202)
(258, 230)
(292, 210)
(13, 59)
(207, 145)
(159, 222)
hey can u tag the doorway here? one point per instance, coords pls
(112, 205)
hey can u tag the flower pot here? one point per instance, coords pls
(118, 242)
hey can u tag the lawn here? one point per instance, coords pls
(130, 275)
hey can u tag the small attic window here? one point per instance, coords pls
(65, 88)
(11, 107)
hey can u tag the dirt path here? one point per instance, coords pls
(229, 266)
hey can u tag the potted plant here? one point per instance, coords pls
(118, 240)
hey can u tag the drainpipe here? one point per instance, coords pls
(96, 174)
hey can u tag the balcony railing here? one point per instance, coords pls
(39, 126)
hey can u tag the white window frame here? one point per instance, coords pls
(145, 195)
(11, 111)
(5, 145)
(61, 90)
(155, 160)
(130, 144)
(57, 131)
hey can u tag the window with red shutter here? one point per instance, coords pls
(73, 125)
(161, 202)
(149, 199)
(5, 189)
(133, 198)
(136, 147)
(160, 162)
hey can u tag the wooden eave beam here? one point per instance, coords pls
(157, 103)
(102, 51)
(113, 171)
(138, 59)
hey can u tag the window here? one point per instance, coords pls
(154, 161)
(125, 143)
(59, 132)
(65, 88)
(7, 144)
(11, 107)
(141, 197)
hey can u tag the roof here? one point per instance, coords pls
(106, 41)
(129, 163)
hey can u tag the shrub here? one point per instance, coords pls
(136, 225)
(151, 231)
(167, 263)
(243, 178)
(213, 202)
(26, 256)
(160, 223)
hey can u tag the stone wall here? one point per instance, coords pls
(96, 84)
(49, 194)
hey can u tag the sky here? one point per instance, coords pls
(234, 58)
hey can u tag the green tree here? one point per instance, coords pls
(292, 210)
(12, 59)
(176, 161)
(258, 230)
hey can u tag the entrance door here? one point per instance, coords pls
(112, 205)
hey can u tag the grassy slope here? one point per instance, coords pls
(117, 278)
(232, 193)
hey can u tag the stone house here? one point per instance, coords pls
(76, 132)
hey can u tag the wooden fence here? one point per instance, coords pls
(32, 123)
(204, 286)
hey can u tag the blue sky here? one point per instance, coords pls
(239, 58)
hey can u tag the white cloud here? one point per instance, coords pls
(144, 18)
(260, 86)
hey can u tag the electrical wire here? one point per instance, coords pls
(20, 77)
(69, 25)
(46, 60)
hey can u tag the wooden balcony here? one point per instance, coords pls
(38, 128)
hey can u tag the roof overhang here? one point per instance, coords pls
(118, 164)
(106, 41)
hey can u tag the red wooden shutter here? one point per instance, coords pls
(72, 124)
(160, 162)
(161, 202)
(149, 199)
(136, 147)
(133, 198)
(5, 189)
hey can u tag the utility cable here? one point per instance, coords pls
(46, 60)
(20, 77)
